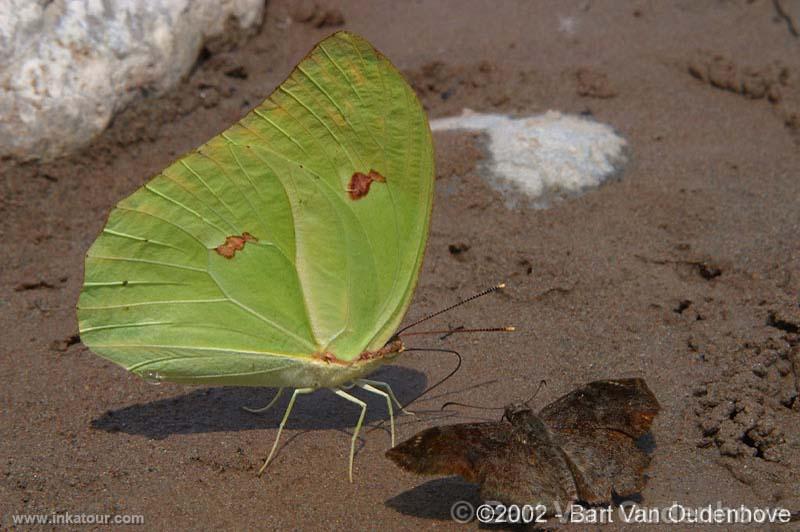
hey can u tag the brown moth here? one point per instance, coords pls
(582, 447)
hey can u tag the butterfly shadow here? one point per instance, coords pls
(218, 409)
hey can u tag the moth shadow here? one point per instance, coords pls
(435, 498)
(219, 409)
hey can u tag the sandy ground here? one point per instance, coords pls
(685, 272)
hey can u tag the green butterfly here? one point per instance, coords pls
(283, 252)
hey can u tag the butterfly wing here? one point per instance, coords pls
(597, 426)
(300, 230)
(512, 463)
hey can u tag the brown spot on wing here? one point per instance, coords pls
(233, 244)
(360, 183)
(330, 358)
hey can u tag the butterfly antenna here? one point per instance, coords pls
(443, 379)
(447, 332)
(450, 331)
(440, 381)
(451, 307)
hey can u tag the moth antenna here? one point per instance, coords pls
(447, 332)
(538, 388)
(451, 307)
(454, 403)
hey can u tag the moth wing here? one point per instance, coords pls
(530, 470)
(462, 449)
(598, 427)
(625, 405)
(603, 463)
(513, 465)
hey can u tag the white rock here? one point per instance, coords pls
(66, 66)
(545, 155)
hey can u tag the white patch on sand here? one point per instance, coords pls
(546, 155)
(567, 25)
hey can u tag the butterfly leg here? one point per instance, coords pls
(298, 391)
(265, 408)
(363, 405)
(385, 386)
(370, 388)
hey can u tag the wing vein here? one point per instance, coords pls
(236, 185)
(165, 302)
(260, 316)
(341, 112)
(165, 221)
(396, 277)
(258, 193)
(291, 213)
(276, 126)
(141, 239)
(93, 284)
(318, 119)
(236, 229)
(123, 326)
(148, 261)
(318, 182)
(184, 207)
(199, 348)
